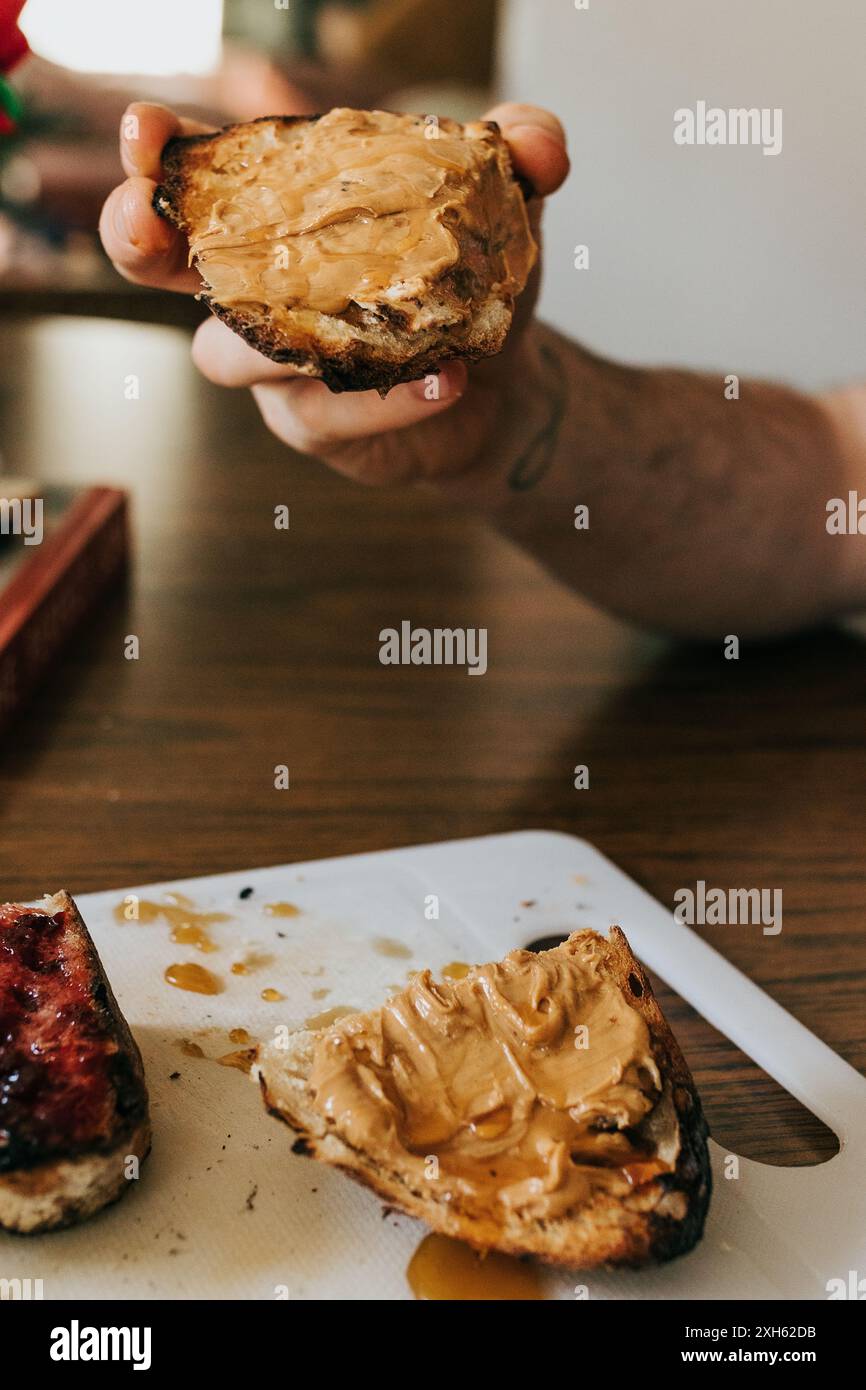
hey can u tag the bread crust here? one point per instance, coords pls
(656, 1222)
(364, 350)
(61, 1188)
(61, 1192)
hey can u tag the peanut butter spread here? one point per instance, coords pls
(514, 1090)
(360, 207)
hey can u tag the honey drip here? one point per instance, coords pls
(254, 960)
(189, 927)
(443, 1269)
(193, 978)
(191, 934)
(242, 1060)
(387, 946)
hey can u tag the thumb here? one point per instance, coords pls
(537, 143)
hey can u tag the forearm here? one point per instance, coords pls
(705, 515)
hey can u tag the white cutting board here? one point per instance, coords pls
(223, 1209)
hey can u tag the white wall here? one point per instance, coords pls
(719, 257)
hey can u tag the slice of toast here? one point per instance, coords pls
(608, 1163)
(73, 1102)
(364, 247)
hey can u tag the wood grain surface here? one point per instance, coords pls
(260, 647)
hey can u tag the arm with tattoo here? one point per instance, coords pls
(705, 514)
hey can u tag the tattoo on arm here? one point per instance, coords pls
(533, 462)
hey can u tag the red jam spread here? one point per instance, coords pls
(65, 1082)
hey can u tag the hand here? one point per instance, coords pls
(401, 438)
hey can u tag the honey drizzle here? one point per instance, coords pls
(442, 1269)
(189, 927)
(193, 978)
(190, 934)
(387, 946)
(241, 1060)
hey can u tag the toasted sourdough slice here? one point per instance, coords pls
(549, 1090)
(364, 247)
(74, 1102)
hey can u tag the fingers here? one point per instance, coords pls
(226, 360)
(310, 418)
(145, 129)
(537, 143)
(302, 411)
(143, 246)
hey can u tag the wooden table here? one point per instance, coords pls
(260, 647)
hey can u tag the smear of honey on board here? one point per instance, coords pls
(387, 946)
(253, 960)
(272, 996)
(239, 1035)
(330, 1016)
(456, 970)
(282, 910)
(191, 934)
(190, 1049)
(189, 927)
(442, 1269)
(193, 978)
(242, 1060)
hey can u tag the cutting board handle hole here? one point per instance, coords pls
(748, 1112)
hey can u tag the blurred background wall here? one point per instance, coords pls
(706, 256)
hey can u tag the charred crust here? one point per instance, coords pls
(670, 1235)
(181, 144)
(525, 187)
(356, 367)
